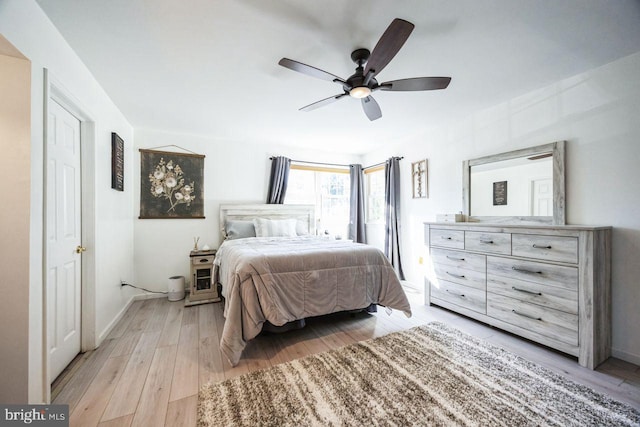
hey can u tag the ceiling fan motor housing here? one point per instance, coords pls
(357, 79)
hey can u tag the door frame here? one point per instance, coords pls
(54, 90)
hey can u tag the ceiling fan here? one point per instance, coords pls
(363, 82)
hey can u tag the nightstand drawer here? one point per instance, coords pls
(447, 238)
(495, 243)
(548, 248)
(202, 260)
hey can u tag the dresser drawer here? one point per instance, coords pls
(532, 271)
(459, 259)
(463, 296)
(495, 243)
(549, 248)
(535, 293)
(447, 238)
(553, 324)
(462, 276)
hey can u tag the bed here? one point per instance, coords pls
(274, 270)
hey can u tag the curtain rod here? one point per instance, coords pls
(380, 164)
(316, 163)
(336, 164)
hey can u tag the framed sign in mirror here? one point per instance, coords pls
(500, 193)
(117, 162)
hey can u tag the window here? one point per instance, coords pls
(375, 195)
(328, 189)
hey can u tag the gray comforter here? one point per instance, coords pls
(282, 279)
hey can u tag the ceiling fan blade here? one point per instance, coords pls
(388, 46)
(322, 102)
(309, 70)
(416, 83)
(371, 108)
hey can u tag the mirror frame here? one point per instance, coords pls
(559, 214)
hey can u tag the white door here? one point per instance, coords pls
(542, 197)
(64, 251)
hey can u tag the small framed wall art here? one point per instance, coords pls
(117, 162)
(419, 178)
(171, 185)
(499, 193)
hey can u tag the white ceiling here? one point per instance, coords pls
(209, 67)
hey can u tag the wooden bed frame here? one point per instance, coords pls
(305, 214)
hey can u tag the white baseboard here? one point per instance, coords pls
(148, 296)
(626, 356)
(121, 313)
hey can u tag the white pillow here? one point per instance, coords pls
(302, 228)
(275, 227)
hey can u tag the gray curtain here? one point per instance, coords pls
(392, 214)
(356, 205)
(278, 180)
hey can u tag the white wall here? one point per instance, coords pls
(24, 24)
(234, 172)
(596, 112)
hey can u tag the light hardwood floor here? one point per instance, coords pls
(148, 371)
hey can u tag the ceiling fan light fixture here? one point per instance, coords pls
(360, 92)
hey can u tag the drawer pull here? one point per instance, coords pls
(445, 238)
(526, 315)
(522, 270)
(203, 260)
(489, 242)
(456, 294)
(526, 291)
(460, 276)
(541, 247)
(454, 258)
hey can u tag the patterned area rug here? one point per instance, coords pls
(429, 375)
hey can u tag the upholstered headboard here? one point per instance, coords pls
(304, 214)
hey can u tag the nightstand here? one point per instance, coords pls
(202, 286)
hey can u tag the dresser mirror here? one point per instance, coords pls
(522, 186)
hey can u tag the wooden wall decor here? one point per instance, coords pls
(419, 178)
(171, 185)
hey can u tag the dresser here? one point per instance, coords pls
(549, 284)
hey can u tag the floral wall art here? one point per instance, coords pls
(171, 185)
